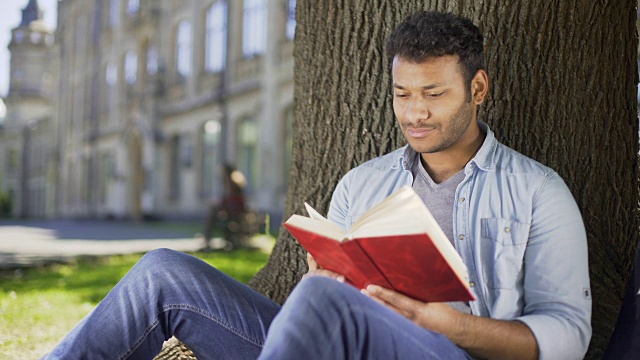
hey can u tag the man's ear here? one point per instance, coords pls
(479, 87)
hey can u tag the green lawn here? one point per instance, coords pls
(39, 306)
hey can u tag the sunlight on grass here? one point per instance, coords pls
(39, 306)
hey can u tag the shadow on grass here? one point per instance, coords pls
(91, 278)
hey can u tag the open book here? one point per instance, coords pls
(397, 244)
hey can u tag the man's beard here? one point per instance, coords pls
(456, 128)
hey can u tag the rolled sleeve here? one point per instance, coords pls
(557, 292)
(339, 206)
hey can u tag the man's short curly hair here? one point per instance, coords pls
(433, 34)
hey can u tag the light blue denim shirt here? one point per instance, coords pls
(518, 230)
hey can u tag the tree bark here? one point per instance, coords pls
(563, 91)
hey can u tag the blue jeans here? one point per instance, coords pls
(170, 293)
(326, 319)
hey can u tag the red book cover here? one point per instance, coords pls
(414, 266)
(409, 264)
(335, 256)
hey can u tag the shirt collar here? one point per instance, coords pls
(484, 158)
(407, 157)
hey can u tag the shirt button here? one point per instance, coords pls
(461, 236)
(461, 199)
(507, 229)
(472, 284)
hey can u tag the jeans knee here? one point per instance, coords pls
(159, 258)
(315, 304)
(324, 292)
(164, 263)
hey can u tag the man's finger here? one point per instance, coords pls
(325, 273)
(390, 305)
(311, 262)
(389, 296)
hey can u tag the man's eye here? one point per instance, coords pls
(434, 95)
(402, 96)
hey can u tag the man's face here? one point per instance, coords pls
(431, 104)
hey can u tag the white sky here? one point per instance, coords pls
(10, 16)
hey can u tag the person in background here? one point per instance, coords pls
(229, 213)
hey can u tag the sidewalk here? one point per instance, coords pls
(31, 243)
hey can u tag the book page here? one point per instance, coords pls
(400, 213)
(324, 228)
(313, 213)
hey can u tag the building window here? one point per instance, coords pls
(112, 74)
(131, 67)
(3, 110)
(114, 13)
(216, 50)
(184, 53)
(186, 151)
(132, 7)
(106, 169)
(247, 152)
(18, 36)
(85, 166)
(80, 40)
(36, 37)
(152, 61)
(210, 150)
(254, 27)
(291, 19)
(12, 161)
(174, 168)
(18, 75)
(111, 77)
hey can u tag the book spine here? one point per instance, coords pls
(363, 261)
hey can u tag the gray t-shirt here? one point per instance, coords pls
(439, 199)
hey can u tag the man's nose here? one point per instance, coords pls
(417, 110)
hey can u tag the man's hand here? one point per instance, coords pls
(438, 317)
(316, 270)
(480, 336)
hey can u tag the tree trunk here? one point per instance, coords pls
(563, 91)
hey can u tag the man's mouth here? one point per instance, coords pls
(419, 132)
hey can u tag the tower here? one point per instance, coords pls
(30, 78)
(25, 144)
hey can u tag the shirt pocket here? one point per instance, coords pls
(503, 244)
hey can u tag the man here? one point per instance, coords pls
(513, 221)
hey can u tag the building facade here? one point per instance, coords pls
(153, 97)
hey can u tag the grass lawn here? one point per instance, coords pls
(39, 306)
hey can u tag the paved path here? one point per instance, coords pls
(28, 243)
